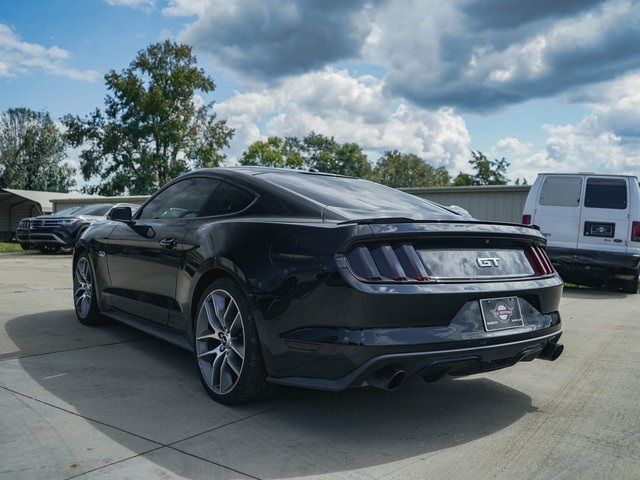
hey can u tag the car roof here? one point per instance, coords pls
(590, 174)
(258, 170)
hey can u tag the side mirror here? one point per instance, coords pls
(121, 214)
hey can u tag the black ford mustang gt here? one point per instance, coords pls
(319, 281)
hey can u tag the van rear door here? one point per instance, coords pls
(557, 210)
(604, 220)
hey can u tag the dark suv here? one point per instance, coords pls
(59, 231)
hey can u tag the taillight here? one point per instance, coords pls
(635, 232)
(539, 260)
(398, 263)
(526, 219)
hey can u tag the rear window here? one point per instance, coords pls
(561, 192)
(357, 195)
(606, 193)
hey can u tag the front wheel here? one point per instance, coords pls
(227, 348)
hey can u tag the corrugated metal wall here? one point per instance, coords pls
(12, 210)
(501, 203)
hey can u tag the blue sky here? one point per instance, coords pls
(552, 88)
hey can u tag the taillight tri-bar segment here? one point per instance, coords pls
(401, 263)
(539, 260)
(385, 262)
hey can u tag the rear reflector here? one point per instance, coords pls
(384, 262)
(635, 232)
(526, 219)
(539, 260)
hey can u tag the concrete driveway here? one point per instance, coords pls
(110, 402)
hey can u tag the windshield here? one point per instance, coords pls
(357, 198)
(98, 210)
(66, 212)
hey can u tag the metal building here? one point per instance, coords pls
(18, 204)
(498, 203)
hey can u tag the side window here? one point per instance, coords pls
(226, 199)
(183, 199)
(561, 191)
(606, 193)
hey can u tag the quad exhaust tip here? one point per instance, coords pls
(388, 379)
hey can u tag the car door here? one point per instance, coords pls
(557, 210)
(604, 218)
(143, 257)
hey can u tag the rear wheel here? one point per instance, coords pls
(84, 292)
(631, 286)
(227, 348)
(25, 246)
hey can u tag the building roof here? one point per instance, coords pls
(43, 199)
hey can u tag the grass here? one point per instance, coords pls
(10, 247)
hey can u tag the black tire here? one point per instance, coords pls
(251, 383)
(26, 246)
(91, 315)
(630, 286)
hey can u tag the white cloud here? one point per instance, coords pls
(139, 4)
(186, 8)
(18, 57)
(332, 102)
(606, 140)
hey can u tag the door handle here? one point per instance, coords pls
(168, 243)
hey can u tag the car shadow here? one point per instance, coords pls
(150, 389)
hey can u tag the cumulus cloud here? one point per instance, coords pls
(606, 140)
(474, 57)
(139, 4)
(18, 57)
(274, 38)
(352, 109)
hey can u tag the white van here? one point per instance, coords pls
(592, 226)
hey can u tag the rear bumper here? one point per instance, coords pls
(333, 336)
(579, 258)
(435, 363)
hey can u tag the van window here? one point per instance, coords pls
(561, 191)
(606, 193)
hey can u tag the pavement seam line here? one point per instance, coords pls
(160, 444)
(81, 416)
(231, 423)
(73, 349)
(115, 463)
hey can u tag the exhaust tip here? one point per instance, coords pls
(396, 380)
(388, 379)
(551, 352)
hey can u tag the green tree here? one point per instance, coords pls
(398, 170)
(32, 152)
(324, 154)
(154, 125)
(487, 172)
(315, 151)
(274, 152)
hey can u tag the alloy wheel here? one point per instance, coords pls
(220, 342)
(84, 289)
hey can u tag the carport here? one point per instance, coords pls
(18, 204)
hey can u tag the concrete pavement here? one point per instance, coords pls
(110, 402)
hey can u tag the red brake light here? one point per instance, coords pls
(635, 232)
(526, 219)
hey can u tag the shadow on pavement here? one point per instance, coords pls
(151, 389)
